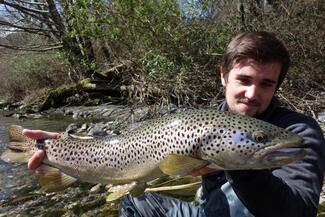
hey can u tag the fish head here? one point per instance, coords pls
(282, 148)
(254, 145)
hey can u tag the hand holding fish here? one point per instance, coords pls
(203, 171)
(36, 160)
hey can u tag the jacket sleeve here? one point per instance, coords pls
(292, 190)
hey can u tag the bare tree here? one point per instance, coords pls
(47, 19)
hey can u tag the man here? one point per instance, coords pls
(253, 67)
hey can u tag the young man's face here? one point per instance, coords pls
(250, 86)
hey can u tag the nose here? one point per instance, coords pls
(251, 92)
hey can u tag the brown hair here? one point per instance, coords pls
(260, 46)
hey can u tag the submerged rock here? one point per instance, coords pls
(72, 128)
(96, 189)
(3, 104)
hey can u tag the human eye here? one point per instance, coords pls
(244, 80)
(268, 84)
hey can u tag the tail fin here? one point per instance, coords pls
(20, 147)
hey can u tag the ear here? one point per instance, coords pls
(223, 77)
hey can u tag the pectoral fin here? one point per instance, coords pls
(52, 179)
(134, 188)
(180, 165)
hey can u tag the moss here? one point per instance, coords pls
(93, 102)
(109, 210)
(88, 205)
(84, 82)
(56, 97)
(55, 212)
(321, 210)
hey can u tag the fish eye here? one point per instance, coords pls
(260, 137)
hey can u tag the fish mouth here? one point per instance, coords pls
(285, 155)
(282, 153)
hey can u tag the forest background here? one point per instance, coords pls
(87, 52)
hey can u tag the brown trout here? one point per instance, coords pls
(177, 145)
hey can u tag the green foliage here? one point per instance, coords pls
(170, 52)
(87, 18)
(157, 66)
(167, 46)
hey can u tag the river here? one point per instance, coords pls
(20, 193)
(15, 179)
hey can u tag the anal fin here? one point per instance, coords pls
(134, 188)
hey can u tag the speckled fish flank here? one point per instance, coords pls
(217, 139)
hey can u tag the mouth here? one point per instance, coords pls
(250, 103)
(282, 153)
(285, 155)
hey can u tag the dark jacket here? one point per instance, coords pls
(289, 191)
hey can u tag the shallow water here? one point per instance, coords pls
(15, 179)
(19, 188)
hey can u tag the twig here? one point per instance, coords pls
(288, 101)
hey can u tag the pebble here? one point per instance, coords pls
(72, 128)
(321, 117)
(96, 188)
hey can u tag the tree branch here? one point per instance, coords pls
(56, 17)
(37, 48)
(33, 3)
(23, 8)
(23, 12)
(27, 29)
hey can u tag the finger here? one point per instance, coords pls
(203, 171)
(196, 174)
(206, 170)
(36, 159)
(40, 134)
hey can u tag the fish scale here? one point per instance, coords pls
(174, 134)
(176, 144)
